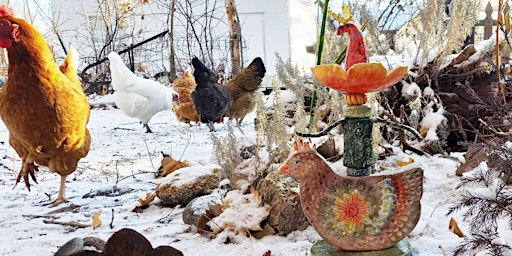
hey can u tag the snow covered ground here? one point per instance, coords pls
(123, 156)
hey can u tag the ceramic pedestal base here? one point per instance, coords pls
(322, 248)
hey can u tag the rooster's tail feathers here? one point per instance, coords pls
(199, 66)
(72, 60)
(119, 72)
(117, 64)
(202, 74)
(188, 73)
(70, 64)
(260, 67)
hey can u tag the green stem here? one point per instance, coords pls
(318, 61)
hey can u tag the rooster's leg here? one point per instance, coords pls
(27, 169)
(210, 125)
(147, 128)
(61, 198)
(238, 124)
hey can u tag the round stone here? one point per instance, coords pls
(74, 245)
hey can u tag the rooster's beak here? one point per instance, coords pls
(15, 32)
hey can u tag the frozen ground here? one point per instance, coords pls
(123, 156)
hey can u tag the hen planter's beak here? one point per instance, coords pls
(284, 169)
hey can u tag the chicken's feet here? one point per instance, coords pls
(61, 198)
(239, 124)
(210, 125)
(147, 128)
(26, 170)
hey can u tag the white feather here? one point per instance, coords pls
(138, 97)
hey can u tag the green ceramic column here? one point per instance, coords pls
(358, 140)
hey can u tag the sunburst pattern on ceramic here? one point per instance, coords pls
(351, 210)
(354, 208)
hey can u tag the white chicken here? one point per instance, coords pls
(138, 97)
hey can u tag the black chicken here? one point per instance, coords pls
(211, 99)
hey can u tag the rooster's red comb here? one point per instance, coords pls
(5, 11)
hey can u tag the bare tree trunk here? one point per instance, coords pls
(235, 32)
(172, 53)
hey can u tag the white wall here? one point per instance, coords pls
(265, 27)
(285, 27)
(303, 31)
(288, 27)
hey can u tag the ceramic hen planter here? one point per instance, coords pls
(361, 211)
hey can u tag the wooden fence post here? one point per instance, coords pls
(488, 21)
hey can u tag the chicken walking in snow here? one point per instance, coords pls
(243, 88)
(211, 99)
(184, 109)
(138, 97)
(44, 108)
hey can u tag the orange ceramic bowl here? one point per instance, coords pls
(360, 77)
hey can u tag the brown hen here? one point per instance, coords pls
(243, 88)
(43, 107)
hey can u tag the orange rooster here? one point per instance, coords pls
(184, 108)
(43, 107)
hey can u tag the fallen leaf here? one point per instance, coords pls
(423, 131)
(404, 163)
(96, 221)
(149, 198)
(267, 230)
(144, 203)
(454, 227)
(169, 165)
(256, 195)
(201, 224)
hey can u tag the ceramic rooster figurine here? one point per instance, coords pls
(355, 213)
(356, 48)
